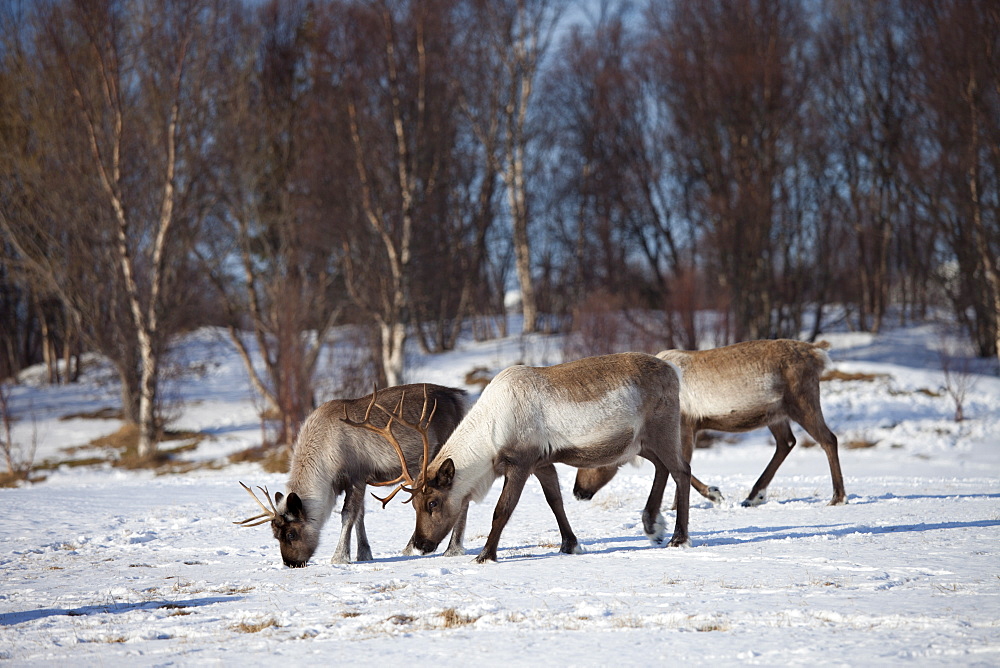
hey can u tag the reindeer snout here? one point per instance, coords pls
(424, 546)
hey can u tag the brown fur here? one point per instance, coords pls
(528, 419)
(761, 384)
(331, 458)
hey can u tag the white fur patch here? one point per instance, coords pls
(659, 531)
(760, 498)
(518, 408)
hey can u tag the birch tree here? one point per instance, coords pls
(132, 73)
(520, 31)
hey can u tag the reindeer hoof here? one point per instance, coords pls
(575, 548)
(484, 557)
(656, 530)
(458, 551)
(752, 501)
(715, 495)
(679, 542)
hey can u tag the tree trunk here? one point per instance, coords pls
(986, 260)
(522, 255)
(393, 352)
(147, 400)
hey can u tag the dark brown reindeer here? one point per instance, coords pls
(330, 459)
(743, 387)
(596, 411)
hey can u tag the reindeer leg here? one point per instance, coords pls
(784, 441)
(549, 479)
(364, 548)
(682, 478)
(342, 555)
(812, 421)
(652, 521)
(513, 485)
(653, 524)
(455, 548)
(688, 435)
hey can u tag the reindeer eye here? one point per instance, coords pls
(291, 536)
(431, 505)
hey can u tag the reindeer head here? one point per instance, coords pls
(431, 498)
(297, 537)
(436, 507)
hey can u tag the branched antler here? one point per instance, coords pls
(396, 415)
(266, 516)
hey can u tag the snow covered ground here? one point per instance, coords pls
(105, 566)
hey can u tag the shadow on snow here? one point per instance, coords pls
(12, 618)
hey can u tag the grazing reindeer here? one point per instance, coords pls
(330, 458)
(743, 387)
(596, 411)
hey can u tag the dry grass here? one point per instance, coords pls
(453, 618)
(923, 390)
(254, 627)
(859, 445)
(123, 446)
(712, 626)
(628, 622)
(836, 374)
(390, 586)
(15, 478)
(234, 589)
(479, 376)
(402, 619)
(106, 413)
(271, 458)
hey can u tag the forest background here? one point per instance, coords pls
(281, 169)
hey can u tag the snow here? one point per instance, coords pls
(105, 566)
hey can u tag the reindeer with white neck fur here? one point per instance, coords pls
(592, 412)
(743, 387)
(330, 459)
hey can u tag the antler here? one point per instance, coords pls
(396, 415)
(266, 516)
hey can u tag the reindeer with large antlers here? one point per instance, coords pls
(330, 458)
(593, 412)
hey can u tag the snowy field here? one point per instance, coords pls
(103, 566)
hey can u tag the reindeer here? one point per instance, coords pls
(743, 387)
(331, 458)
(596, 411)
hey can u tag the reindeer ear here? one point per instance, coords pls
(445, 475)
(294, 507)
(278, 496)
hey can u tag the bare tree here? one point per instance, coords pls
(19, 458)
(131, 75)
(734, 80)
(868, 72)
(959, 68)
(273, 252)
(396, 64)
(519, 33)
(613, 191)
